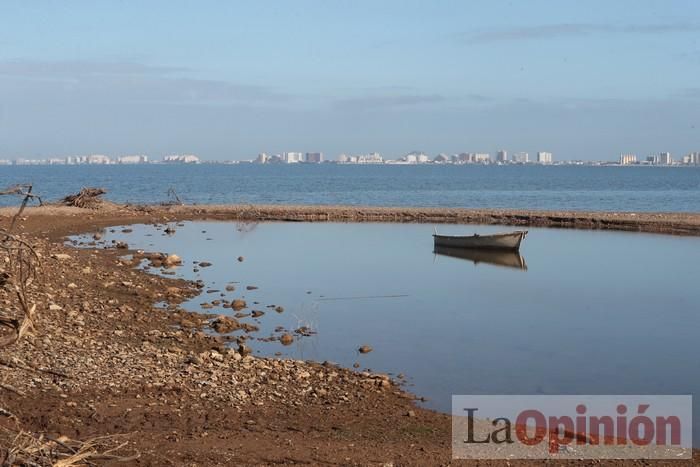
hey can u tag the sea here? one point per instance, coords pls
(565, 187)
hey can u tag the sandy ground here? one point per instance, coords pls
(104, 360)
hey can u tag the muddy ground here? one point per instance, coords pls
(104, 360)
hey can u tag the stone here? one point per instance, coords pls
(223, 324)
(230, 288)
(193, 359)
(365, 349)
(122, 245)
(251, 287)
(279, 309)
(238, 304)
(60, 256)
(172, 260)
(240, 259)
(244, 349)
(257, 313)
(286, 339)
(204, 264)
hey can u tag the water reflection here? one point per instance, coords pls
(509, 259)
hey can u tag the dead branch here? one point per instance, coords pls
(27, 448)
(86, 198)
(174, 199)
(18, 273)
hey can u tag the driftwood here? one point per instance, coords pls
(85, 198)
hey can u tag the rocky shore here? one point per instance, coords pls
(104, 359)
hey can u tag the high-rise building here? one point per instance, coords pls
(292, 157)
(481, 157)
(521, 157)
(262, 158)
(544, 157)
(628, 159)
(502, 156)
(314, 157)
(665, 158)
(132, 159)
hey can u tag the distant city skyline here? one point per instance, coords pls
(583, 80)
(502, 157)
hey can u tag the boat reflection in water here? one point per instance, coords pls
(510, 259)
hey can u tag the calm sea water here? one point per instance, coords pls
(593, 312)
(471, 186)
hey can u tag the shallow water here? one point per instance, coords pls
(592, 313)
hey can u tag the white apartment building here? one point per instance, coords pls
(628, 159)
(98, 159)
(665, 158)
(292, 157)
(521, 157)
(544, 157)
(132, 159)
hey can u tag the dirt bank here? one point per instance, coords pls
(654, 222)
(103, 359)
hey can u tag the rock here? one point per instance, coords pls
(286, 339)
(257, 313)
(410, 413)
(251, 287)
(204, 264)
(279, 309)
(230, 288)
(72, 285)
(122, 245)
(54, 307)
(193, 359)
(238, 304)
(172, 260)
(365, 349)
(60, 256)
(244, 349)
(240, 259)
(169, 230)
(356, 365)
(223, 324)
(97, 236)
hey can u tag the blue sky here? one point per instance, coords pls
(226, 80)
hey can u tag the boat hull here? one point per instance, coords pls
(507, 241)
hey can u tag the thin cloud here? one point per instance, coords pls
(124, 82)
(562, 30)
(387, 101)
(75, 68)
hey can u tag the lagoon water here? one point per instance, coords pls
(469, 186)
(593, 312)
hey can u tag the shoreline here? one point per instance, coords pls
(114, 363)
(674, 223)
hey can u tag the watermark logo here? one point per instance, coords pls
(572, 427)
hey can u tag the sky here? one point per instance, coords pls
(227, 80)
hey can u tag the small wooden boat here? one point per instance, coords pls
(503, 241)
(507, 258)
